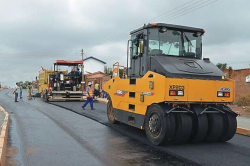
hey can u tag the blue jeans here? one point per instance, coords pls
(104, 94)
(89, 100)
(21, 95)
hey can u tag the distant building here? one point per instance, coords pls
(99, 77)
(93, 65)
(242, 83)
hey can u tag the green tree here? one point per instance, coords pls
(108, 70)
(222, 66)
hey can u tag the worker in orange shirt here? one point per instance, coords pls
(89, 97)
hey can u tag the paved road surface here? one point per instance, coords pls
(234, 152)
(244, 122)
(44, 134)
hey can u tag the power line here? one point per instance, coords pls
(120, 35)
(174, 16)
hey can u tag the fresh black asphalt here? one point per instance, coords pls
(44, 134)
(234, 152)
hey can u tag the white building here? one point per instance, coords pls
(92, 65)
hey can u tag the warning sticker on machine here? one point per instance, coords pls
(120, 93)
(176, 87)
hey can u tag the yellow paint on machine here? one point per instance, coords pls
(44, 79)
(202, 91)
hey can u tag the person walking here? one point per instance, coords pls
(29, 87)
(16, 92)
(21, 91)
(89, 97)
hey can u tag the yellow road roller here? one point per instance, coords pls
(170, 90)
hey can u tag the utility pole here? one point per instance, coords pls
(82, 70)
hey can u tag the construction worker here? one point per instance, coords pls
(21, 90)
(89, 97)
(16, 92)
(78, 86)
(96, 92)
(29, 87)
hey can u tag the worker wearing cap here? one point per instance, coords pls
(89, 95)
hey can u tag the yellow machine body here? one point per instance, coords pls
(43, 80)
(155, 88)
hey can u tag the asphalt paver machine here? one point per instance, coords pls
(169, 89)
(63, 85)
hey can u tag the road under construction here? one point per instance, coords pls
(169, 106)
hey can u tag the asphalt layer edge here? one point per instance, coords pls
(4, 137)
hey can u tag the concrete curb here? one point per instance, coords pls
(101, 100)
(243, 131)
(240, 130)
(4, 137)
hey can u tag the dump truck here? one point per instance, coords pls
(61, 85)
(169, 89)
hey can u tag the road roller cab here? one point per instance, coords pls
(170, 90)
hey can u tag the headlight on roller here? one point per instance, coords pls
(220, 94)
(180, 93)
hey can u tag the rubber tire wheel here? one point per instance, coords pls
(215, 127)
(110, 106)
(184, 127)
(230, 126)
(167, 127)
(200, 124)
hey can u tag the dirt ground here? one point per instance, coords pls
(243, 110)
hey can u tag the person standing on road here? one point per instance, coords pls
(21, 90)
(97, 93)
(29, 87)
(16, 92)
(104, 94)
(89, 97)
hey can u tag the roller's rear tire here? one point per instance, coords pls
(159, 128)
(230, 126)
(183, 128)
(200, 125)
(215, 127)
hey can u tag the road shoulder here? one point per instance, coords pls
(4, 135)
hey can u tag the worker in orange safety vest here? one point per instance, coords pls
(89, 97)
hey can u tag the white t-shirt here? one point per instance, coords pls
(16, 88)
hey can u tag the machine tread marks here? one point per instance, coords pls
(215, 127)
(110, 113)
(200, 124)
(183, 127)
(230, 126)
(159, 126)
